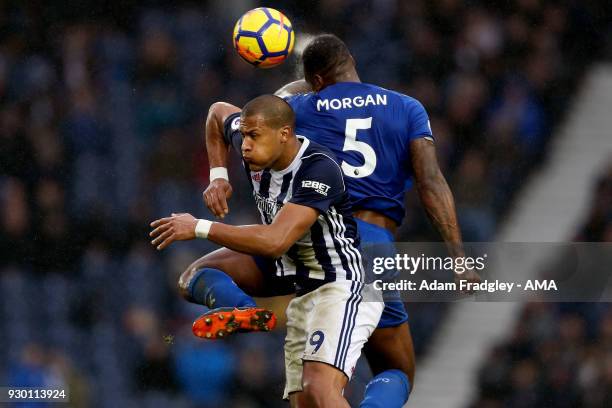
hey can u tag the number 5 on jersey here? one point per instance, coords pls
(352, 144)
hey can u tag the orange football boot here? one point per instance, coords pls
(221, 322)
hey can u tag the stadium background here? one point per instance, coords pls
(101, 113)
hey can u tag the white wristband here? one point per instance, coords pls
(218, 172)
(202, 228)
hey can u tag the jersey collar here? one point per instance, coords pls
(298, 156)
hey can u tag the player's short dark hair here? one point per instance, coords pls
(275, 111)
(324, 55)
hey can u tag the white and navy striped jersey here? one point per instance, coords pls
(329, 251)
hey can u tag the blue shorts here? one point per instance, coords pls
(378, 241)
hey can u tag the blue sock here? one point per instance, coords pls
(214, 288)
(389, 389)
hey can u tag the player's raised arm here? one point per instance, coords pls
(219, 189)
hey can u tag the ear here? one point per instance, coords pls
(317, 82)
(285, 133)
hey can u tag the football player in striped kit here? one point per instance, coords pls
(308, 238)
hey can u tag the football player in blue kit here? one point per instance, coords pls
(383, 142)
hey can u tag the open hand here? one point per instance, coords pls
(177, 227)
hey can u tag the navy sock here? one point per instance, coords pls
(389, 389)
(214, 288)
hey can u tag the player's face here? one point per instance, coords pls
(261, 145)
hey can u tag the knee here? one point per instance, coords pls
(314, 392)
(406, 365)
(319, 387)
(391, 348)
(184, 282)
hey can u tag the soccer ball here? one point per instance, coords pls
(264, 37)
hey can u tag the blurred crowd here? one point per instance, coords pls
(101, 114)
(558, 355)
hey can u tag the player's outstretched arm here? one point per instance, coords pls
(437, 197)
(290, 224)
(219, 189)
(293, 88)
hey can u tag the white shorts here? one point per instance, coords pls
(330, 324)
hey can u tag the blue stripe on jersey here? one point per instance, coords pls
(280, 267)
(350, 310)
(320, 249)
(356, 290)
(264, 184)
(338, 246)
(300, 268)
(352, 254)
(351, 247)
(347, 308)
(248, 175)
(284, 187)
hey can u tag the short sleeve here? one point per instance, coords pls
(231, 132)
(318, 183)
(298, 100)
(291, 99)
(418, 120)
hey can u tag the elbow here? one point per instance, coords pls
(216, 110)
(219, 111)
(275, 250)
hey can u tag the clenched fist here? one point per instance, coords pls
(216, 195)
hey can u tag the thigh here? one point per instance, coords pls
(323, 385)
(391, 348)
(339, 325)
(240, 267)
(256, 275)
(333, 324)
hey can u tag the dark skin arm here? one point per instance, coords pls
(219, 190)
(293, 88)
(437, 198)
(272, 241)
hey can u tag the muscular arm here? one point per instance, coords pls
(219, 190)
(273, 240)
(435, 194)
(292, 88)
(215, 143)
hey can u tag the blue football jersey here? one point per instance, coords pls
(369, 129)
